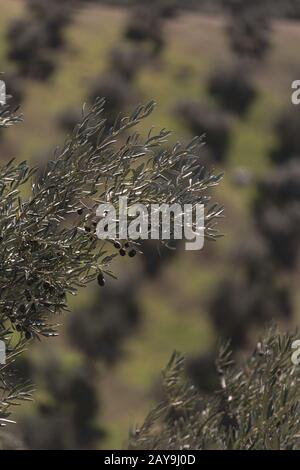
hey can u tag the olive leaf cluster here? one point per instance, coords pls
(255, 406)
(48, 246)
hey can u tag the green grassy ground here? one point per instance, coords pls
(174, 308)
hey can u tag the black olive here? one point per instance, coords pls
(122, 252)
(126, 245)
(117, 245)
(28, 335)
(101, 280)
(132, 253)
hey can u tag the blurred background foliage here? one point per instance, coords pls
(224, 70)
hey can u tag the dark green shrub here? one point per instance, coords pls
(211, 123)
(232, 89)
